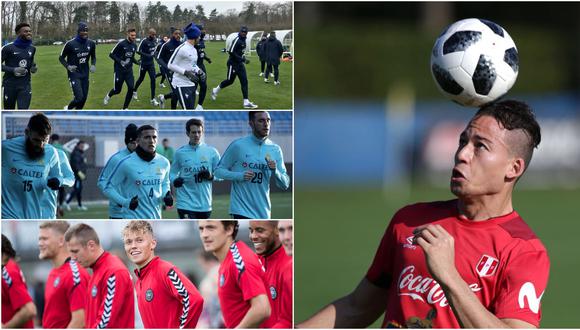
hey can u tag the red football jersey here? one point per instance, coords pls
(111, 303)
(64, 293)
(278, 267)
(167, 298)
(501, 260)
(14, 292)
(241, 278)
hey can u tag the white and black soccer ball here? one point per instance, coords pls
(474, 62)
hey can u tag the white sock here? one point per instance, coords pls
(217, 88)
(246, 101)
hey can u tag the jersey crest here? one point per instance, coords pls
(486, 266)
(149, 295)
(56, 282)
(273, 293)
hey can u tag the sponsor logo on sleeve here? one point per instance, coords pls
(528, 290)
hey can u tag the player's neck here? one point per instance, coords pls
(59, 259)
(222, 252)
(481, 208)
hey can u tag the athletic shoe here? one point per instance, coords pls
(199, 108)
(66, 107)
(135, 97)
(161, 98)
(271, 75)
(250, 105)
(154, 102)
(106, 99)
(266, 80)
(261, 74)
(214, 93)
(82, 208)
(162, 85)
(276, 82)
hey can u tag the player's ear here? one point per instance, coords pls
(516, 168)
(153, 244)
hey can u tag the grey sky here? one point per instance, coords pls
(208, 6)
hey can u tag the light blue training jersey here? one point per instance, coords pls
(195, 194)
(252, 198)
(135, 177)
(24, 181)
(115, 211)
(67, 179)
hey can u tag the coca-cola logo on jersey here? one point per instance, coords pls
(424, 288)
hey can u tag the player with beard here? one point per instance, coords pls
(123, 54)
(65, 293)
(241, 284)
(278, 265)
(160, 285)
(116, 210)
(111, 300)
(202, 56)
(146, 49)
(17, 65)
(250, 162)
(163, 57)
(30, 166)
(236, 68)
(18, 309)
(75, 58)
(140, 181)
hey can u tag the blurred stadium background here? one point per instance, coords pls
(177, 242)
(104, 132)
(373, 134)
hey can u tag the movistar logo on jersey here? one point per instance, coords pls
(26, 173)
(255, 166)
(148, 182)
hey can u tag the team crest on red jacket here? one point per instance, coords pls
(149, 295)
(486, 266)
(56, 281)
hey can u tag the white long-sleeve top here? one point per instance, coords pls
(184, 58)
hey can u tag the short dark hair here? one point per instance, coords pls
(129, 30)
(144, 128)
(7, 248)
(20, 26)
(193, 121)
(515, 115)
(40, 124)
(83, 232)
(231, 223)
(252, 114)
(54, 137)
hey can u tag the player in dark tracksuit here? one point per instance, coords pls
(260, 50)
(146, 49)
(75, 58)
(161, 72)
(237, 68)
(17, 65)
(123, 54)
(273, 51)
(163, 57)
(202, 56)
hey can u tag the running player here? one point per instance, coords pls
(17, 65)
(192, 174)
(163, 57)
(250, 162)
(146, 49)
(123, 54)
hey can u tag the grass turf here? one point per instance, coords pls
(338, 231)
(281, 208)
(51, 90)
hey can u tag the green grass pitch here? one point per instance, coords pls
(51, 90)
(281, 208)
(338, 231)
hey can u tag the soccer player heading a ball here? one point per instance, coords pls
(468, 262)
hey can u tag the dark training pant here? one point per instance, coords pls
(120, 78)
(13, 94)
(237, 71)
(144, 69)
(80, 89)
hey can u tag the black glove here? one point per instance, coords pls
(204, 174)
(178, 183)
(208, 59)
(20, 71)
(134, 203)
(192, 76)
(33, 68)
(168, 199)
(246, 61)
(53, 183)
